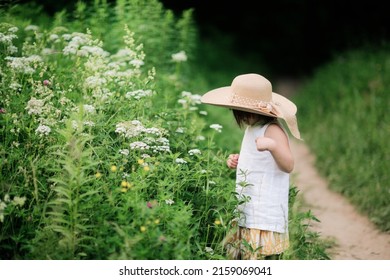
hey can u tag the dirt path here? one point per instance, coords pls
(356, 238)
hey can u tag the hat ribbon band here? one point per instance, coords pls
(267, 107)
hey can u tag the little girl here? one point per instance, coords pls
(262, 166)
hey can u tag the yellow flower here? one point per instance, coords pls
(217, 222)
(98, 175)
(142, 228)
(157, 221)
(126, 186)
(141, 161)
(146, 168)
(114, 168)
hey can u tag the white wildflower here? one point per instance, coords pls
(89, 123)
(209, 250)
(138, 145)
(179, 57)
(13, 29)
(194, 152)
(123, 54)
(66, 37)
(53, 37)
(130, 128)
(153, 130)
(31, 28)
(162, 145)
(2, 205)
(19, 200)
(43, 130)
(15, 86)
(93, 50)
(137, 63)
(24, 65)
(124, 152)
(7, 39)
(216, 127)
(35, 106)
(47, 51)
(89, 109)
(120, 129)
(193, 99)
(138, 94)
(169, 201)
(180, 161)
(12, 49)
(93, 82)
(75, 125)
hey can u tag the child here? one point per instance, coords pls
(262, 166)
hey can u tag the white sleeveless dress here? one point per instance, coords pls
(263, 220)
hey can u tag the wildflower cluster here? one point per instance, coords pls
(7, 202)
(216, 127)
(7, 35)
(179, 57)
(149, 139)
(190, 101)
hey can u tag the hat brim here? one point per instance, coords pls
(223, 97)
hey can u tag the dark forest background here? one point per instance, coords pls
(292, 37)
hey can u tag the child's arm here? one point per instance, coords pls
(232, 161)
(275, 140)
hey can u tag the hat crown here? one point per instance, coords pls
(252, 86)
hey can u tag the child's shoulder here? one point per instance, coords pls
(275, 129)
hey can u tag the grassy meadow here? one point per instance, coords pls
(344, 118)
(107, 153)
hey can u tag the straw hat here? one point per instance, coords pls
(253, 93)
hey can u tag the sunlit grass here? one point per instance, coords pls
(345, 120)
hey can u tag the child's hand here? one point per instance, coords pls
(265, 144)
(232, 161)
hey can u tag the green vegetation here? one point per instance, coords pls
(344, 117)
(105, 149)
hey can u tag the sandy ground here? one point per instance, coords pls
(355, 237)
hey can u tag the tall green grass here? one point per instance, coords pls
(105, 149)
(344, 116)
